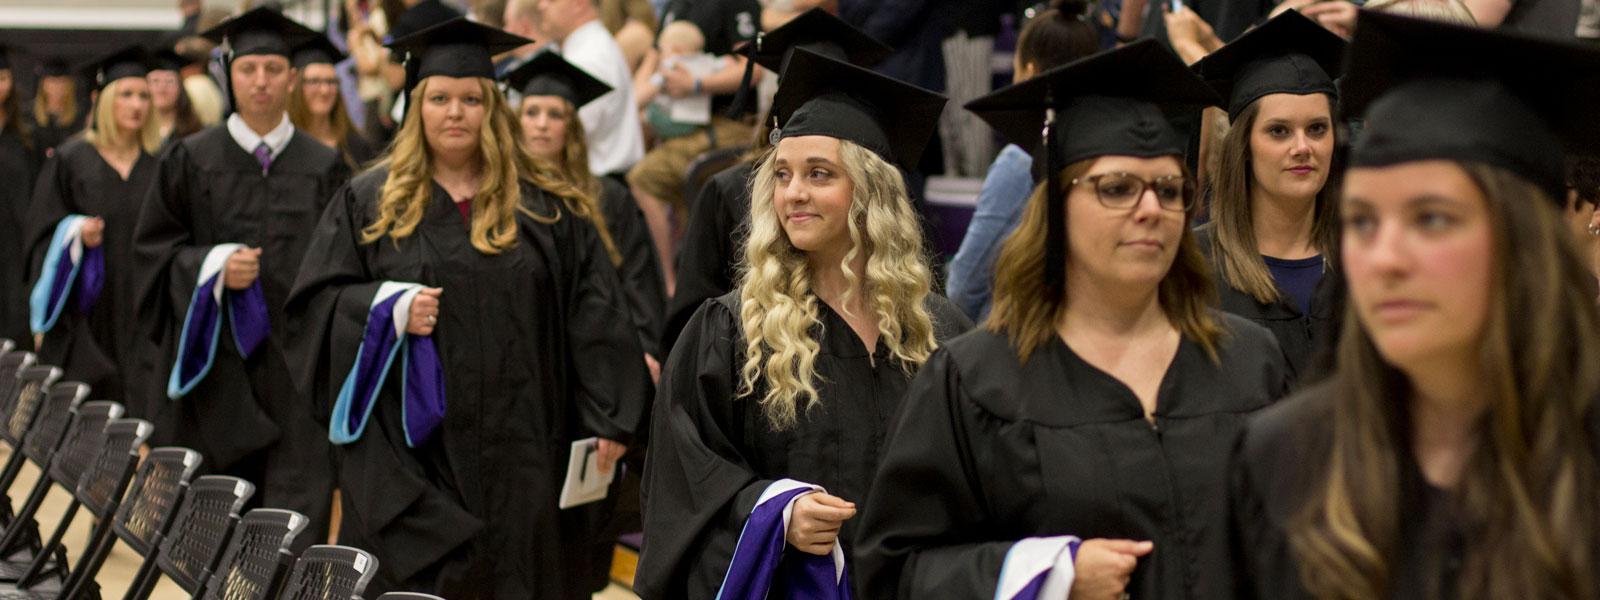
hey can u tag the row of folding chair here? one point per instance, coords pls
(185, 528)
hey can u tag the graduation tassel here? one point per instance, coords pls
(1055, 252)
(742, 98)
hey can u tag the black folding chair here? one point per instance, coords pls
(258, 556)
(31, 385)
(144, 515)
(100, 490)
(190, 550)
(408, 596)
(330, 573)
(12, 363)
(84, 439)
(60, 407)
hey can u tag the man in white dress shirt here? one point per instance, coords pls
(611, 122)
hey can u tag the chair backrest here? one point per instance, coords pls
(32, 383)
(85, 436)
(258, 556)
(159, 486)
(101, 487)
(707, 164)
(190, 550)
(330, 573)
(11, 364)
(50, 427)
(408, 596)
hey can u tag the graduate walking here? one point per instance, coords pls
(462, 326)
(219, 238)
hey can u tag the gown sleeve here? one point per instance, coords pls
(168, 260)
(612, 384)
(51, 197)
(640, 269)
(698, 488)
(329, 305)
(923, 531)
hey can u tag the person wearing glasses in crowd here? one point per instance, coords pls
(1073, 442)
(317, 106)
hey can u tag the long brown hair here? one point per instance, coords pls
(409, 186)
(1233, 243)
(1527, 495)
(339, 119)
(1026, 313)
(573, 166)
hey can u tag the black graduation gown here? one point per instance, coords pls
(16, 184)
(48, 135)
(989, 451)
(712, 454)
(640, 270)
(245, 416)
(1281, 459)
(100, 348)
(360, 151)
(1307, 339)
(708, 258)
(538, 350)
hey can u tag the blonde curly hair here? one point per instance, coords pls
(409, 186)
(778, 310)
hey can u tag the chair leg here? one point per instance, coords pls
(36, 569)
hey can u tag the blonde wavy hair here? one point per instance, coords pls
(409, 186)
(778, 310)
(103, 131)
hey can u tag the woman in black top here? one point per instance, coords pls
(1272, 235)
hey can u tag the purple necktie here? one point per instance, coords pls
(263, 156)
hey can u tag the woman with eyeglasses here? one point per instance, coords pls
(317, 107)
(1073, 442)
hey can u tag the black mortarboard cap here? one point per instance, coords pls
(815, 30)
(420, 16)
(1436, 91)
(164, 59)
(5, 57)
(54, 67)
(826, 96)
(1289, 54)
(455, 48)
(128, 61)
(1116, 102)
(260, 30)
(317, 50)
(548, 74)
